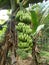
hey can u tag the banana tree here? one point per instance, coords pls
(40, 18)
(10, 32)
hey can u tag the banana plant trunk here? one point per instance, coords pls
(34, 54)
(10, 41)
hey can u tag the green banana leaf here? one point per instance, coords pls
(39, 14)
(45, 17)
(35, 21)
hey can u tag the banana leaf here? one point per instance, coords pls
(35, 21)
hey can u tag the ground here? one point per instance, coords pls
(29, 61)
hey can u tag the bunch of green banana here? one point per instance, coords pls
(19, 27)
(24, 37)
(23, 44)
(23, 16)
(2, 33)
(24, 28)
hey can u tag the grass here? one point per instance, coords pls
(45, 54)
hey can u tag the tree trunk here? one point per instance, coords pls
(34, 52)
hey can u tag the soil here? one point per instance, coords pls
(27, 61)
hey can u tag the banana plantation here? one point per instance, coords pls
(24, 32)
